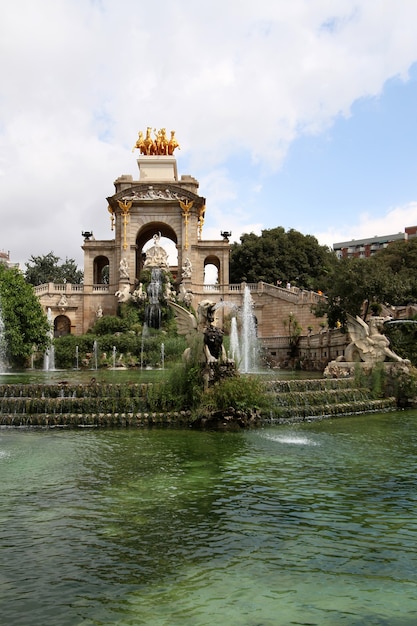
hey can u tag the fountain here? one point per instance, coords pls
(95, 355)
(153, 308)
(49, 356)
(157, 262)
(114, 357)
(162, 355)
(76, 357)
(234, 342)
(248, 338)
(243, 345)
(3, 345)
(142, 344)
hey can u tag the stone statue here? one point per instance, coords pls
(123, 269)
(123, 294)
(63, 301)
(185, 295)
(367, 342)
(99, 312)
(188, 325)
(156, 256)
(169, 292)
(139, 294)
(187, 268)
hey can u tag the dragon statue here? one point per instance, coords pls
(367, 343)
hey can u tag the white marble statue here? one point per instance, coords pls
(123, 294)
(187, 268)
(367, 343)
(123, 268)
(139, 294)
(156, 256)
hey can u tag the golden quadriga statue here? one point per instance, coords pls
(159, 144)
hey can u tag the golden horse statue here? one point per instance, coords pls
(162, 142)
(173, 143)
(161, 145)
(149, 143)
(139, 145)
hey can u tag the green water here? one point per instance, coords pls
(307, 524)
(83, 376)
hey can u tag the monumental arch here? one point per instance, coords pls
(158, 203)
(155, 203)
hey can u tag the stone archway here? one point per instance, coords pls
(144, 235)
(212, 261)
(62, 326)
(101, 270)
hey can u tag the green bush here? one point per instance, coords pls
(109, 324)
(136, 349)
(238, 392)
(65, 350)
(185, 386)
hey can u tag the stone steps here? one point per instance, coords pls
(320, 398)
(106, 405)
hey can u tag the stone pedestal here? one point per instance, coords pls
(157, 169)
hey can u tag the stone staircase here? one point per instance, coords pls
(109, 405)
(299, 400)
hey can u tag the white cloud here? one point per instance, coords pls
(235, 79)
(395, 220)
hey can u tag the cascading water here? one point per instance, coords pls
(153, 308)
(95, 355)
(3, 346)
(234, 342)
(142, 344)
(49, 356)
(248, 338)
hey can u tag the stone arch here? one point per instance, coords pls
(101, 266)
(62, 326)
(212, 260)
(145, 234)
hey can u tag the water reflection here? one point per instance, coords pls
(308, 524)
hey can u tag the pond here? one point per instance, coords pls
(314, 523)
(84, 376)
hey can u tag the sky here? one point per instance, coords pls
(292, 113)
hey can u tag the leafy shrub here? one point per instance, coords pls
(109, 324)
(184, 387)
(239, 392)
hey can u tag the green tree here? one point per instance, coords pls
(25, 324)
(358, 285)
(48, 269)
(279, 255)
(400, 260)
